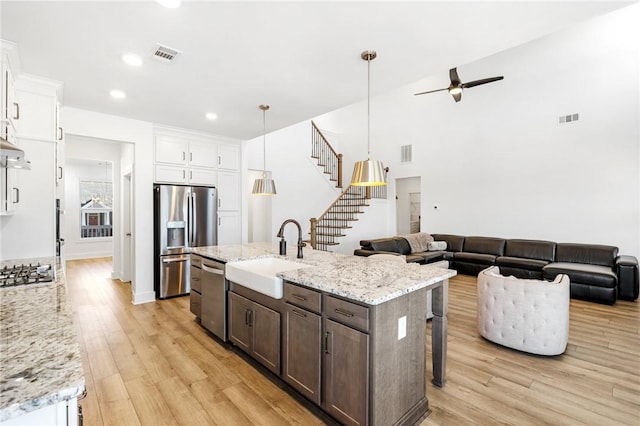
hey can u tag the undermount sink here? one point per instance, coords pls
(260, 274)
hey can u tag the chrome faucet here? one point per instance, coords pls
(283, 243)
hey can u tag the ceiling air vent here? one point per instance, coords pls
(405, 153)
(165, 53)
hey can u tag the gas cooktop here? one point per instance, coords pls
(11, 276)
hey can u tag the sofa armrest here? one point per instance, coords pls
(628, 280)
(367, 253)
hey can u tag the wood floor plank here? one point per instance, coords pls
(149, 403)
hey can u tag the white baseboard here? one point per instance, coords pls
(144, 297)
(79, 256)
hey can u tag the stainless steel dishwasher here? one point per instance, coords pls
(214, 298)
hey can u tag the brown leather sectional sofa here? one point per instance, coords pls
(597, 272)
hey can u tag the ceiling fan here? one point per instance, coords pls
(456, 86)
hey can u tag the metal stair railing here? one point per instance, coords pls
(327, 157)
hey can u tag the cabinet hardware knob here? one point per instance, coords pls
(17, 116)
(17, 195)
(60, 133)
(60, 170)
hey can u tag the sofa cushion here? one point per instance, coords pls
(430, 256)
(531, 249)
(385, 244)
(454, 242)
(484, 245)
(403, 245)
(596, 275)
(592, 254)
(523, 263)
(479, 258)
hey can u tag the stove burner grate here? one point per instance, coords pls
(16, 275)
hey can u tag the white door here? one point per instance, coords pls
(127, 204)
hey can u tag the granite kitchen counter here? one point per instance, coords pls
(40, 363)
(357, 278)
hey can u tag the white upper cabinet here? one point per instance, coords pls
(229, 157)
(38, 108)
(203, 154)
(9, 107)
(171, 150)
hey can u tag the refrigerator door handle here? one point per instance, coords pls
(194, 220)
(175, 259)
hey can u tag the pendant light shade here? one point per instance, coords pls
(264, 185)
(368, 172)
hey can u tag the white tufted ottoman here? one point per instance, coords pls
(524, 314)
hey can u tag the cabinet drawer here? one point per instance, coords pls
(196, 261)
(302, 297)
(347, 313)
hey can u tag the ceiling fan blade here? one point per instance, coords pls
(430, 91)
(453, 76)
(482, 81)
(457, 96)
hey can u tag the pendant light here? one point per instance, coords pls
(264, 185)
(368, 172)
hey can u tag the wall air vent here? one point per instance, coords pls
(405, 153)
(568, 118)
(165, 53)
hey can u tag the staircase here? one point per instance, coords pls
(327, 158)
(338, 217)
(351, 202)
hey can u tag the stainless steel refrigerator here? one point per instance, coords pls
(184, 217)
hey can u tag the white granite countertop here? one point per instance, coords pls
(353, 277)
(40, 361)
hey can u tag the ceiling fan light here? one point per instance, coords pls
(264, 186)
(368, 173)
(455, 90)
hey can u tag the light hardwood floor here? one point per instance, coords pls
(152, 364)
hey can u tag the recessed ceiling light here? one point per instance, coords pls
(118, 94)
(132, 59)
(211, 115)
(171, 4)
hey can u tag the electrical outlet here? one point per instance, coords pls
(402, 327)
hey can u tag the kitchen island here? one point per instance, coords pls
(41, 375)
(349, 333)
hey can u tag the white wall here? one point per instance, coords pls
(498, 163)
(83, 148)
(140, 133)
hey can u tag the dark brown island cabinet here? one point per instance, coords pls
(362, 364)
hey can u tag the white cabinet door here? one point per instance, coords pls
(9, 191)
(205, 177)
(37, 111)
(228, 191)
(9, 108)
(203, 154)
(229, 157)
(170, 174)
(171, 150)
(229, 228)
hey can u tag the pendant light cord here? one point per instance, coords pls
(368, 107)
(264, 142)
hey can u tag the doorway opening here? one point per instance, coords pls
(408, 209)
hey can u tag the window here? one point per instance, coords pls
(96, 209)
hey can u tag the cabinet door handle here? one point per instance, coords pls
(248, 317)
(298, 297)
(326, 343)
(190, 156)
(17, 195)
(17, 116)
(190, 174)
(298, 313)
(60, 170)
(60, 133)
(184, 174)
(219, 223)
(218, 202)
(183, 156)
(218, 160)
(344, 313)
